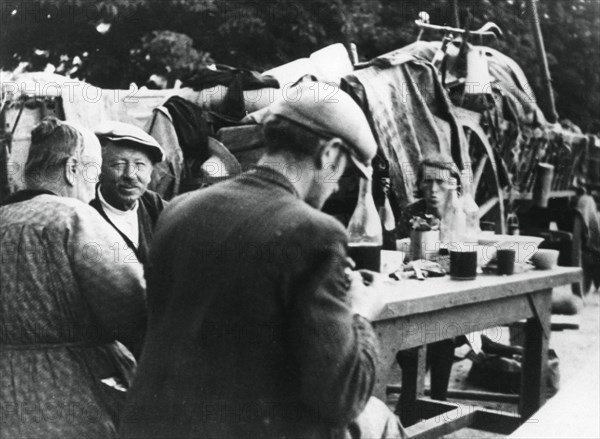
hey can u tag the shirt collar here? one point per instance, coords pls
(110, 208)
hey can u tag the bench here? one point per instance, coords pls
(573, 412)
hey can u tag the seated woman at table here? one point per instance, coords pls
(67, 296)
(432, 180)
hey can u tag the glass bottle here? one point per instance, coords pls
(471, 209)
(388, 221)
(452, 227)
(512, 222)
(365, 236)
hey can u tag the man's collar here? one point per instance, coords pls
(107, 206)
(268, 173)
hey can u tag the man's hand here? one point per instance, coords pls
(365, 293)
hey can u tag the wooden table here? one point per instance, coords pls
(421, 312)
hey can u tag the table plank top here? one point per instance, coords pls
(410, 296)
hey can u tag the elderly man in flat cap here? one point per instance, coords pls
(122, 197)
(258, 325)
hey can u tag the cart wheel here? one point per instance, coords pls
(488, 193)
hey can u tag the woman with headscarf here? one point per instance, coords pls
(68, 296)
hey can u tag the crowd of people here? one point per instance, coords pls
(231, 311)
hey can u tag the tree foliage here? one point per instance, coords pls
(260, 34)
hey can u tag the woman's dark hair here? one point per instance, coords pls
(437, 161)
(52, 143)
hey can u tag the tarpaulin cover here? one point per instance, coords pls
(512, 82)
(410, 115)
(508, 80)
(78, 101)
(514, 123)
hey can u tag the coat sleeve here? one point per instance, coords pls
(110, 278)
(336, 350)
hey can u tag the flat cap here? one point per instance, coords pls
(328, 111)
(121, 133)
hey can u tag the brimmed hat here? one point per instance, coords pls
(328, 111)
(126, 133)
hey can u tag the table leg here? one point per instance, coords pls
(412, 363)
(537, 330)
(440, 356)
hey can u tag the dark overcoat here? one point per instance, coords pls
(250, 331)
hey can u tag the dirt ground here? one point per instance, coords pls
(573, 347)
